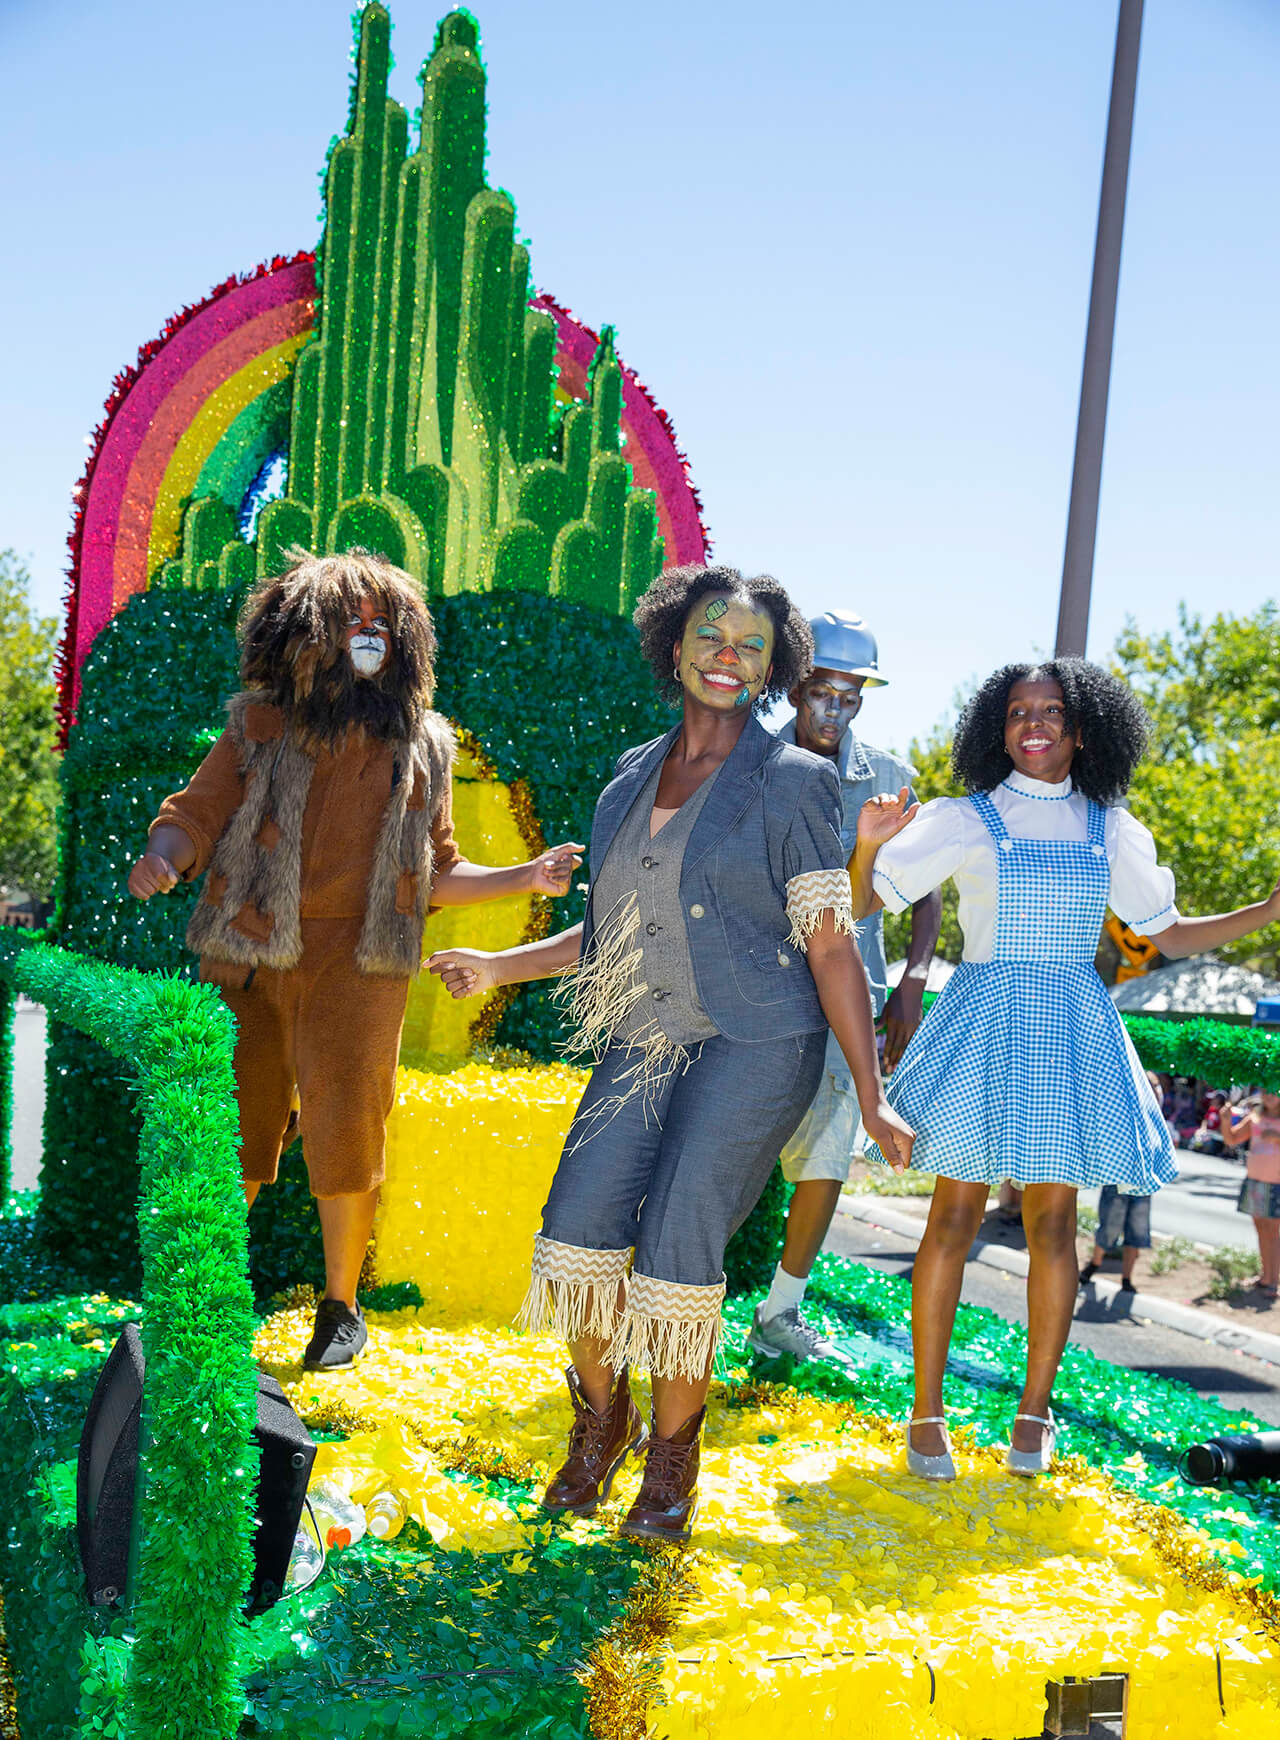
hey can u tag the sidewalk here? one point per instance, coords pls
(890, 1214)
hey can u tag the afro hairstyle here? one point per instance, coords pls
(1112, 722)
(663, 611)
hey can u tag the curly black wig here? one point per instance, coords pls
(664, 609)
(1112, 722)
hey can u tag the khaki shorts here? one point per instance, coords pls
(830, 1136)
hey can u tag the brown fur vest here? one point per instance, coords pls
(249, 909)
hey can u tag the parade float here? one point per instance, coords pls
(408, 390)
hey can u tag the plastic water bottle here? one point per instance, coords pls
(339, 1519)
(384, 1515)
(306, 1561)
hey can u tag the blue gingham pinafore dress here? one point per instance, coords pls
(1022, 1069)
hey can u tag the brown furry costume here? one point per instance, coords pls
(322, 814)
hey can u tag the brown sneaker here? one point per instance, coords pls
(598, 1446)
(668, 1495)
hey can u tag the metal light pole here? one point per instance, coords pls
(1091, 425)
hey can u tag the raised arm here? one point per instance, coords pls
(879, 819)
(1193, 936)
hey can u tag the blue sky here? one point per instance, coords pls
(847, 245)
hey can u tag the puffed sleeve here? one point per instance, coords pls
(813, 859)
(1142, 889)
(919, 859)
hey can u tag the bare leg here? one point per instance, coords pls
(1128, 1261)
(1268, 1231)
(345, 1225)
(954, 1218)
(1049, 1217)
(1099, 1256)
(812, 1205)
(676, 1400)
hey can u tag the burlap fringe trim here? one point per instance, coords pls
(668, 1329)
(810, 896)
(573, 1291)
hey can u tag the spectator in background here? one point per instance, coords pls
(1124, 1222)
(1208, 1138)
(1259, 1124)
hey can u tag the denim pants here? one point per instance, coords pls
(651, 1187)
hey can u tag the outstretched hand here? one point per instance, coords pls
(894, 1138)
(553, 871)
(465, 972)
(881, 817)
(152, 874)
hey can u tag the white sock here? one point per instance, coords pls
(786, 1293)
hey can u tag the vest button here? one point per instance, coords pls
(783, 960)
(696, 911)
(647, 863)
(658, 996)
(652, 929)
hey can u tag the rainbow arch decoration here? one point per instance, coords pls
(207, 408)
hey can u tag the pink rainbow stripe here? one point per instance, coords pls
(199, 357)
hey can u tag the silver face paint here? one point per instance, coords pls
(368, 654)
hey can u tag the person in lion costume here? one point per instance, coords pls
(322, 823)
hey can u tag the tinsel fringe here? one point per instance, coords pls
(571, 1310)
(622, 1677)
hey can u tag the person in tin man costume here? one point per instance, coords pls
(817, 1158)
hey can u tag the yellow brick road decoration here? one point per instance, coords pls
(831, 1593)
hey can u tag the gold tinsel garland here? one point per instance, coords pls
(622, 1676)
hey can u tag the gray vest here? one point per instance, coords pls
(649, 870)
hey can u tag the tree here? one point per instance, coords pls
(28, 766)
(1209, 787)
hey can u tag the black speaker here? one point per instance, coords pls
(108, 1472)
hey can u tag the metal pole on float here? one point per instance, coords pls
(1091, 425)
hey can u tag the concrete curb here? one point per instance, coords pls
(1143, 1307)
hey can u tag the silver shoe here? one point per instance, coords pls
(788, 1334)
(930, 1467)
(1034, 1461)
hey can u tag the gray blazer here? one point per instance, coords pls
(774, 813)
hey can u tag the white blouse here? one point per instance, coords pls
(948, 838)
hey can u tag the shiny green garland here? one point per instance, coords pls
(1212, 1051)
(196, 1517)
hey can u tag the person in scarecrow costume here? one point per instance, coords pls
(323, 819)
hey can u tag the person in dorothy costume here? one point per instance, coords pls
(1022, 1068)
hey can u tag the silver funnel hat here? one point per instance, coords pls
(843, 642)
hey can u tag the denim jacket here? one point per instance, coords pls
(772, 816)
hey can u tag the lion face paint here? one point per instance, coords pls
(368, 639)
(725, 653)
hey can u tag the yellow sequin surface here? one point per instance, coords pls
(832, 1593)
(470, 1156)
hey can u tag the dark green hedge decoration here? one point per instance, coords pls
(754, 1250)
(195, 1516)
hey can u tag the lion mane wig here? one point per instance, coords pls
(293, 647)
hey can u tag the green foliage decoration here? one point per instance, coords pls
(753, 1252)
(1213, 1051)
(28, 765)
(195, 1515)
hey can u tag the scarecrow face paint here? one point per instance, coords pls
(825, 703)
(725, 654)
(368, 638)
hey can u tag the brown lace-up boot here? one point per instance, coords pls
(668, 1495)
(598, 1446)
